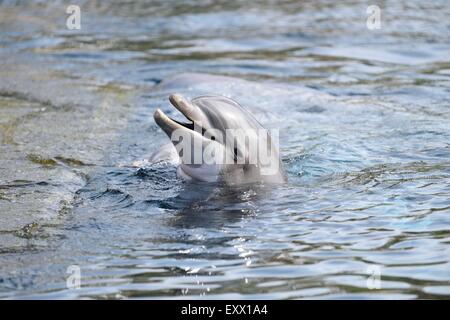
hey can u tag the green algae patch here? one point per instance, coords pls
(71, 161)
(28, 230)
(41, 160)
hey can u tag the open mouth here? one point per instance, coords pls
(187, 125)
(169, 124)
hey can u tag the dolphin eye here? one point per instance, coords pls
(213, 138)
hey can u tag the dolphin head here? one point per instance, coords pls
(220, 140)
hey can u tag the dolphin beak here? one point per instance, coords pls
(169, 125)
(189, 129)
(165, 123)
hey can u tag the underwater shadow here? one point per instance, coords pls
(212, 205)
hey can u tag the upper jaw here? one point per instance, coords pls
(181, 104)
(189, 110)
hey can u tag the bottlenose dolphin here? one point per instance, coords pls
(221, 141)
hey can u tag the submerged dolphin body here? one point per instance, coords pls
(205, 150)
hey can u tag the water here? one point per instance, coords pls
(364, 125)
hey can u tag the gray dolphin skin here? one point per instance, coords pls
(220, 141)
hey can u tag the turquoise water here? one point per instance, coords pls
(364, 120)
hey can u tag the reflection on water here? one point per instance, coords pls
(363, 118)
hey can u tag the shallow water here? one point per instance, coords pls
(364, 120)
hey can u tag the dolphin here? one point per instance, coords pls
(220, 141)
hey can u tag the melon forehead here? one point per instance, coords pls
(217, 103)
(224, 113)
